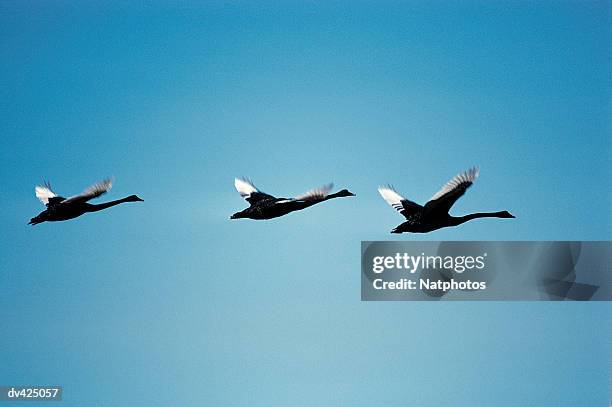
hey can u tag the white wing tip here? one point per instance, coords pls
(244, 186)
(109, 182)
(243, 180)
(390, 195)
(321, 191)
(106, 184)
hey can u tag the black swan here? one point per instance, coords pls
(434, 215)
(264, 206)
(60, 208)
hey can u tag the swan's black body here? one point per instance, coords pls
(60, 208)
(434, 215)
(264, 206)
(59, 212)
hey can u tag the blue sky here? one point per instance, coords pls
(170, 303)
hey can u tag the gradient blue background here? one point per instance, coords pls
(170, 303)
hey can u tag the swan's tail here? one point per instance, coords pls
(35, 221)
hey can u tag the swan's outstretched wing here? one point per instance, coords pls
(315, 193)
(446, 197)
(249, 192)
(401, 204)
(46, 194)
(92, 192)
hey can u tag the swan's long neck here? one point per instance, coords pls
(334, 195)
(458, 220)
(99, 207)
(330, 196)
(310, 202)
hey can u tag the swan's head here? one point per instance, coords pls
(506, 214)
(133, 198)
(345, 192)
